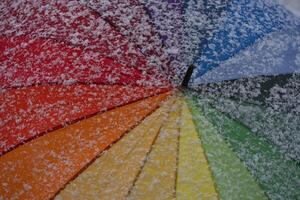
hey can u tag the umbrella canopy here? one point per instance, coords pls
(65, 42)
(148, 99)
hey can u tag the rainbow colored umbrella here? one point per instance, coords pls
(148, 99)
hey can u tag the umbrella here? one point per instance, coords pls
(147, 99)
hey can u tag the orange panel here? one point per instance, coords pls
(40, 168)
(31, 111)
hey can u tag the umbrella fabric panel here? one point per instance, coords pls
(246, 21)
(132, 20)
(40, 168)
(157, 179)
(232, 179)
(278, 93)
(269, 106)
(167, 17)
(112, 175)
(278, 176)
(194, 178)
(276, 53)
(70, 22)
(201, 19)
(26, 61)
(31, 111)
(280, 129)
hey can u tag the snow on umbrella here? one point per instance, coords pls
(246, 79)
(90, 109)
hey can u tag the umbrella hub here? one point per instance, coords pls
(188, 76)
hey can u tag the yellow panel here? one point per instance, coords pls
(157, 179)
(194, 179)
(112, 175)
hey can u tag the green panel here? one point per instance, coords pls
(233, 180)
(278, 176)
(279, 128)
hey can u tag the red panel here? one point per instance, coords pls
(69, 23)
(28, 112)
(65, 20)
(28, 61)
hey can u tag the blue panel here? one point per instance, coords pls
(276, 53)
(202, 18)
(245, 22)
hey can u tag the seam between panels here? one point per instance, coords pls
(204, 150)
(146, 157)
(68, 123)
(178, 146)
(99, 155)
